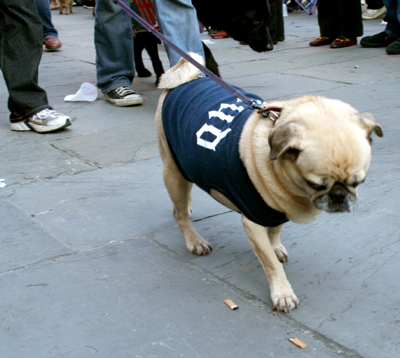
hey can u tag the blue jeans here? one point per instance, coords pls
(114, 39)
(178, 22)
(392, 17)
(43, 8)
(21, 47)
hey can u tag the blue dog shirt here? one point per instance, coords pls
(203, 123)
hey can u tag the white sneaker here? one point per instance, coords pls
(123, 96)
(44, 121)
(370, 14)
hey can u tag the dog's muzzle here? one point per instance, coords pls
(337, 200)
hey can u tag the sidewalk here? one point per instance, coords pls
(92, 263)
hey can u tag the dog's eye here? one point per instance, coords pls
(256, 22)
(316, 186)
(357, 183)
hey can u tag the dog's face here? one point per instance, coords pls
(246, 22)
(325, 149)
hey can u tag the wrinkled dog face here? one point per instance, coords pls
(327, 155)
(333, 198)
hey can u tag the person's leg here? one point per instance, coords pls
(50, 35)
(113, 40)
(43, 7)
(392, 17)
(328, 14)
(21, 38)
(392, 31)
(350, 20)
(178, 22)
(21, 52)
(393, 25)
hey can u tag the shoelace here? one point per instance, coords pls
(124, 91)
(45, 113)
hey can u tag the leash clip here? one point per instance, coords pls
(271, 112)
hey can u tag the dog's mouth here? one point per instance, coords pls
(258, 38)
(261, 44)
(337, 200)
(261, 47)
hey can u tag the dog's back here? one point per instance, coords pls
(181, 73)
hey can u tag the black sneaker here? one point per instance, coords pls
(123, 96)
(394, 47)
(382, 39)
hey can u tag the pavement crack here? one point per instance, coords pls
(72, 154)
(41, 262)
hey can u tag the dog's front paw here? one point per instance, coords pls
(285, 302)
(198, 246)
(281, 253)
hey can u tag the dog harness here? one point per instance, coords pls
(203, 123)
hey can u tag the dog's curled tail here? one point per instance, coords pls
(181, 73)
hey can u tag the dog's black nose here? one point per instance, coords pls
(338, 193)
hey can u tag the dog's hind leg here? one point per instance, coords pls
(151, 47)
(179, 190)
(282, 295)
(274, 234)
(138, 47)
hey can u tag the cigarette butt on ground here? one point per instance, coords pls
(231, 304)
(298, 342)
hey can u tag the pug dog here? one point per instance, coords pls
(288, 161)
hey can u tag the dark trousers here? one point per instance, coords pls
(21, 47)
(340, 18)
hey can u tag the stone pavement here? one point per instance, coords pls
(92, 263)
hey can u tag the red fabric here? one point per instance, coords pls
(146, 11)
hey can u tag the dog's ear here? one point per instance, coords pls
(368, 121)
(283, 139)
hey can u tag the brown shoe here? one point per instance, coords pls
(342, 41)
(321, 41)
(52, 43)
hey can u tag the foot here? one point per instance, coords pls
(52, 43)
(45, 121)
(143, 72)
(371, 14)
(281, 253)
(394, 47)
(123, 96)
(197, 245)
(321, 41)
(283, 298)
(382, 39)
(342, 41)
